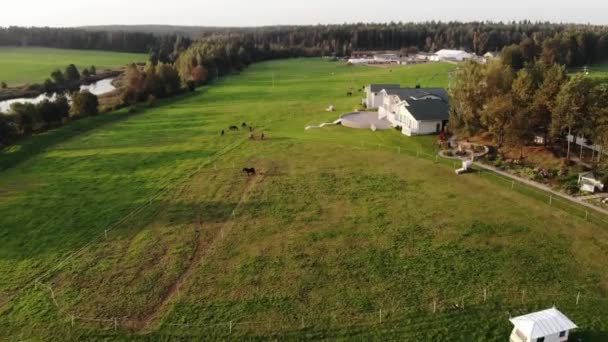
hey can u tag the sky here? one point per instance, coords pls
(68, 13)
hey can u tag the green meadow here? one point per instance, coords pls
(23, 65)
(142, 226)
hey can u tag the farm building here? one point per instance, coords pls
(544, 326)
(416, 111)
(372, 100)
(451, 55)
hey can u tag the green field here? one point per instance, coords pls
(595, 70)
(343, 234)
(20, 66)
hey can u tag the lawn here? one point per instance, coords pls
(19, 66)
(599, 70)
(343, 234)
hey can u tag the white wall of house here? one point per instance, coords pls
(550, 338)
(409, 125)
(373, 100)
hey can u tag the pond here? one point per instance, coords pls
(98, 88)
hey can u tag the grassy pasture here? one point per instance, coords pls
(22, 65)
(595, 70)
(333, 230)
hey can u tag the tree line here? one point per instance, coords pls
(568, 44)
(517, 105)
(74, 38)
(25, 119)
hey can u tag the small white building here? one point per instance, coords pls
(373, 98)
(544, 326)
(451, 55)
(588, 182)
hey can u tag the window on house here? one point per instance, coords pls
(562, 334)
(540, 339)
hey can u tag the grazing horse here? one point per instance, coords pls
(262, 136)
(350, 93)
(250, 128)
(233, 128)
(222, 133)
(244, 125)
(250, 171)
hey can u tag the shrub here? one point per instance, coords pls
(3, 85)
(571, 186)
(83, 104)
(152, 101)
(132, 109)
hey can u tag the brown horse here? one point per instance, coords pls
(250, 171)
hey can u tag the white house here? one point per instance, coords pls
(415, 111)
(451, 55)
(544, 326)
(373, 99)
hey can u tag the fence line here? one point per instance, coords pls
(581, 211)
(431, 305)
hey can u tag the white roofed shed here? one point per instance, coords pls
(544, 326)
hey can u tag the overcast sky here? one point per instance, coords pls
(273, 12)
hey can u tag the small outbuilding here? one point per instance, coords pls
(544, 326)
(588, 182)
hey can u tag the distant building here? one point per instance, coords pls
(387, 58)
(451, 55)
(491, 55)
(544, 326)
(416, 111)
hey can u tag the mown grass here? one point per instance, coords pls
(23, 65)
(338, 226)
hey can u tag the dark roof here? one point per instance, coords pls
(376, 88)
(418, 93)
(429, 110)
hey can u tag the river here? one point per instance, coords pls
(98, 88)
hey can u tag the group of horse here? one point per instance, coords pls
(351, 92)
(235, 128)
(249, 170)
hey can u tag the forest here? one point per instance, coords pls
(575, 45)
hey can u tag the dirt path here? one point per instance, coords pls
(202, 248)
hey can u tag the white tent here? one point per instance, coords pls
(549, 326)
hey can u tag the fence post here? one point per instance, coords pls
(462, 302)
(434, 305)
(512, 185)
(523, 296)
(380, 316)
(578, 297)
(303, 325)
(551, 200)
(115, 324)
(485, 294)
(72, 321)
(230, 327)
(586, 215)
(106, 233)
(436, 159)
